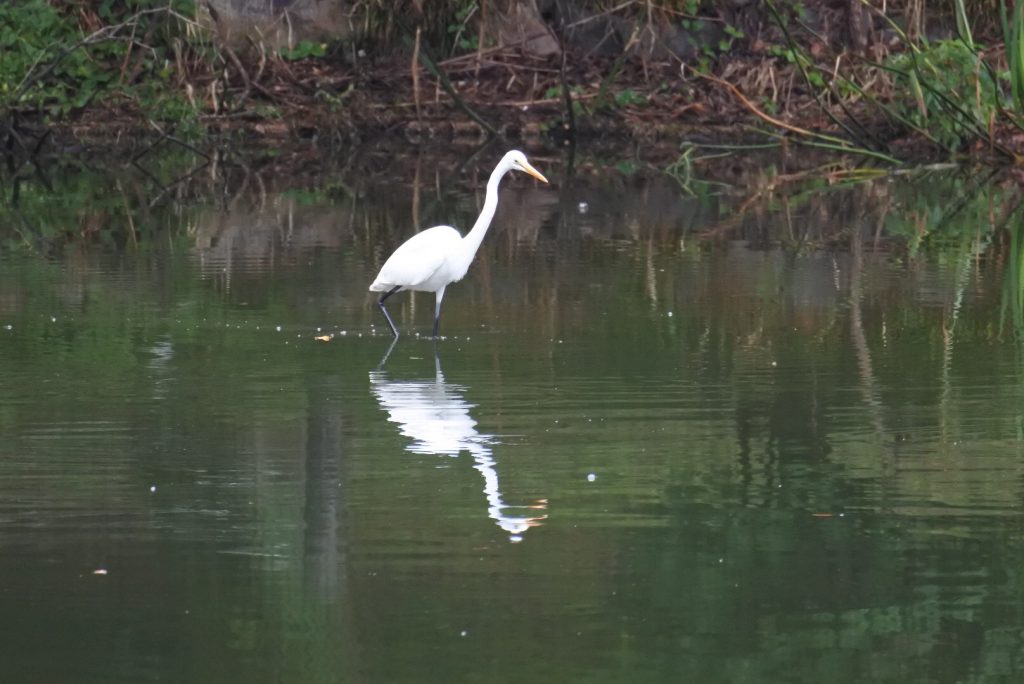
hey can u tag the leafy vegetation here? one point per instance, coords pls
(952, 94)
(130, 54)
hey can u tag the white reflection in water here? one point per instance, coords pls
(434, 415)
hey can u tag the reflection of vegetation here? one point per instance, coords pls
(113, 208)
(727, 437)
(1013, 283)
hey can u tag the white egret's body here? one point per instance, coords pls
(433, 259)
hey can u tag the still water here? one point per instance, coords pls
(753, 431)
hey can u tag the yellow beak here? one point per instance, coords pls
(534, 172)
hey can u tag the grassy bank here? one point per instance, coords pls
(919, 79)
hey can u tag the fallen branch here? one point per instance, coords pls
(837, 143)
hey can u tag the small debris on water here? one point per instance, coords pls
(99, 571)
(152, 489)
(583, 207)
(323, 338)
(277, 328)
(463, 633)
(591, 477)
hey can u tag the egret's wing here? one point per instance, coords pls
(417, 259)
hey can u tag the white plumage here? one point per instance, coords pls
(433, 259)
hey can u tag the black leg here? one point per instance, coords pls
(384, 309)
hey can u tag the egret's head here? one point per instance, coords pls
(517, 160)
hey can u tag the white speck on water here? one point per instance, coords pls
(583, 207)
(277, 328)
(8, 327)
(53, 319)
(774, 364)
(318, 329)
(343, 332)
(152, 488)
(591, 477)
(515, 538)
(670, 314)
(463, 633)
(99, 571)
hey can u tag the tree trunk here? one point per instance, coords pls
(860, 26)
(518, 22)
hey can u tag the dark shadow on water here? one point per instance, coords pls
(323, 549)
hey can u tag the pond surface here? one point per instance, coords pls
(762, 431)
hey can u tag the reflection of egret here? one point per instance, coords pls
(434, 259)
(433, 414)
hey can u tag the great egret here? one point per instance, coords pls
(432, 260)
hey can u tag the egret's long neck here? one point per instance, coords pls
(471, 242)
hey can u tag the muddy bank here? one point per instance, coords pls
(823, 74)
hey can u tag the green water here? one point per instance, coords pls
(668, 438)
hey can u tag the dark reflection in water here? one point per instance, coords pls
(762, 432)
(435, 416)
